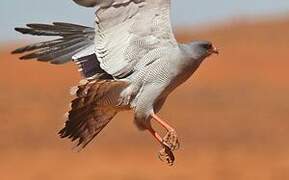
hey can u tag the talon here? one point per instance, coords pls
(166, 155)
(171, 140)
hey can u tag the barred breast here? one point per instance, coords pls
(158, 80)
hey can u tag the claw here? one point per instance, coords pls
(166, 155)
(171, 141)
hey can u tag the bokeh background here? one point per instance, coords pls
(232, 116)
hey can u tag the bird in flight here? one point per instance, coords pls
(130, 60)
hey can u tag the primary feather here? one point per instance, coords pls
(73, 39)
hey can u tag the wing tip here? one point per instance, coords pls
(21, 30)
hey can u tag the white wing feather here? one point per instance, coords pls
(127, 31)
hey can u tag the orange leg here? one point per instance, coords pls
(167, 142)
(171, 139)
(156, 135)
(162, 123)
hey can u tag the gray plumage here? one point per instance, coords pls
(155, 82)
(131, 60)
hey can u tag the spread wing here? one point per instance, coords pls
(129, 33)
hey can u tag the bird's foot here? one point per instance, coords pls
(171, 140)
(166, 155)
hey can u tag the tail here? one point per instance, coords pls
(96, 104)
(73, 39)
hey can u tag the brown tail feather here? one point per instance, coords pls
(94, 107)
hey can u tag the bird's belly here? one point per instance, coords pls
(176, 81)
(156, 84)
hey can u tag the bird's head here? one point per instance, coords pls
(202, 49)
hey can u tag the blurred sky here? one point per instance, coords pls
(185, 12)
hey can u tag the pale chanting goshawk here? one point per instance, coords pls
(129, 61)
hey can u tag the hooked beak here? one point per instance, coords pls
(215, 51)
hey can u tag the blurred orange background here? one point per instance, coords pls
(232, 116)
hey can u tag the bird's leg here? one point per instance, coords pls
(171, 138)
(156, 135)
(165, 154)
